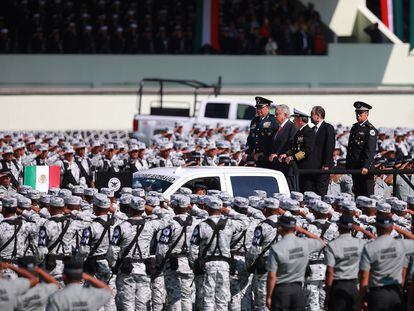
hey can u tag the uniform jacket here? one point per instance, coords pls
(362, 146)
(261, 134)
(302, 147)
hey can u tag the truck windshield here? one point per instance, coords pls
(150, 183)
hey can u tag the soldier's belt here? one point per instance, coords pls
(137, 260)
(345, 281)
(217, 258)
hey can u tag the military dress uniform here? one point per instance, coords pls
(301, 149)
(361, 151)
(262, 130)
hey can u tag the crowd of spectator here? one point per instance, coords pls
(156, 27)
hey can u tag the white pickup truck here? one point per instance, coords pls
(236, 180)
(213, 110)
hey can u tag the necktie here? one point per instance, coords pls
(315, 129)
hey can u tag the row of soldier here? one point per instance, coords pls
(209, 251)
(272, 141)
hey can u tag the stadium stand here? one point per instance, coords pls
(159, 27)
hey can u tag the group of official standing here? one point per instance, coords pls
(286, 142)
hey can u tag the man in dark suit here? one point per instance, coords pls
(322, 155)
(282, 140)
(301, 149)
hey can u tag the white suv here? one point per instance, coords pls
(236, 180)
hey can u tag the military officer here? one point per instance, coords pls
(76, 297)
(382, 257)
(342, 257)
(11, 289)
(36, 297)
(301, 149)
(361, 150)
(287, 265)
(262, 129)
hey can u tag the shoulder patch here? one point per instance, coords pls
(372, 132)
(116, 235)
(86, 236)
(165, 235)
(257, 236)
(42, 237)
(195, 238)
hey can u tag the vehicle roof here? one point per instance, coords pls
(230, 100)
(188, 171)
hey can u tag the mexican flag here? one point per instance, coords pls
(42, 177)
(207, 27)
(387, 13)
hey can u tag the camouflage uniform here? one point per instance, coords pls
(133, 287)
(48, 234)
(20, 243)
(88, 242)
(216, 282)
(315, 280)
(264, 235)
(177, 273)
(241, 279)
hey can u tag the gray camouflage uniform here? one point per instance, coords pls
(216, 282)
